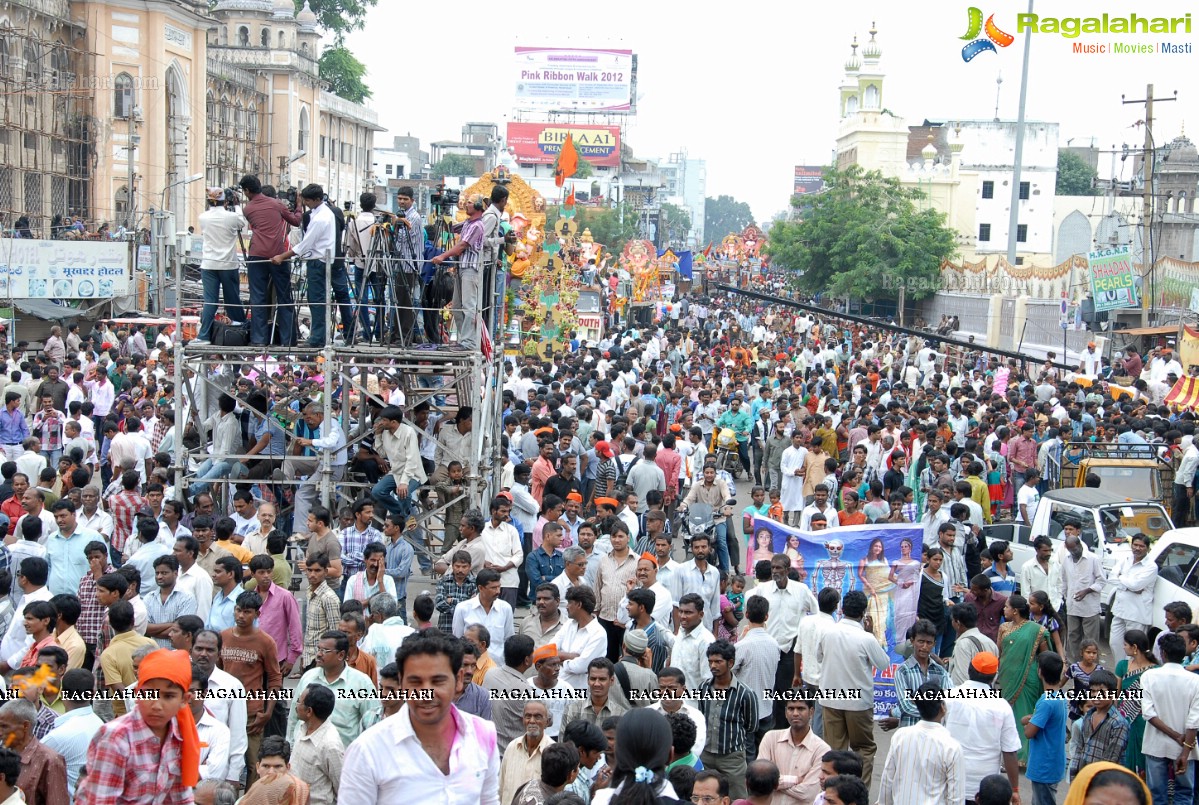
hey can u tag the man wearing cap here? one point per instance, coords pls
(1091, 361)
(547, 685)
(221, 225)
(635, 676)
(151, 754)
(984, 725)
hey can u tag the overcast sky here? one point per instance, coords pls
(752, 88)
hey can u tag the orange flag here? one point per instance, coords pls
(568, 161)
(570, 199)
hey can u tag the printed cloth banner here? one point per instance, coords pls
(881, 560)
(1185, 393)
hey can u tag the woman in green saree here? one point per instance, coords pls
(1140, 659)
(1020, 641)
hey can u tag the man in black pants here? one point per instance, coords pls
(270, 222)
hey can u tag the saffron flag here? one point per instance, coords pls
(568, 161)
(708, 251)
(570, 199)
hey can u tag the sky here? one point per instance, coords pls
(753, 90)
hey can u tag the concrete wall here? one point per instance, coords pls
(1016, 323)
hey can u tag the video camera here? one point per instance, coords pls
(445, 199)
(291, 197)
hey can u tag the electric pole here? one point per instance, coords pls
(1148, 158)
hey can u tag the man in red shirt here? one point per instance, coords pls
(270, 222)
(12, 507)
(543, 469)
(124, 506)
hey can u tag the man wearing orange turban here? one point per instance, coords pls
(151, 754)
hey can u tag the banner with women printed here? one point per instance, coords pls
(882, 560)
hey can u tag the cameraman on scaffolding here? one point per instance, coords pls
(323, 232)
(270, 223)
(495, 246)
(221, 224)
(410, 243)
(465, 305)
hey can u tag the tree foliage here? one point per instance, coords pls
(344, 74)
(676, 223)
(864, 237)
(585, 170)
(605, 225)
(725, 215)
(339, 17)
(1075, 176)
(453, 165)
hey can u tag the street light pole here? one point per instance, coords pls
(1014, 216)
(159, 244)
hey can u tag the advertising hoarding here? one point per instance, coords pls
(1113, 281)
(574, 79)
(63, 269)
(808, 179)
(540, 143)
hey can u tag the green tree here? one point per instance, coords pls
(585, 171)
(676, 222)
(725, 215)
(864, 237)
(1075, 177)
(339, 17)
(604, 223)
(453, 165)
(344, 74)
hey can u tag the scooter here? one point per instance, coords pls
(698, 519)
(728, 457)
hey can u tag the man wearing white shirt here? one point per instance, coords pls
(503, 551)
(691, 641)
(74, 729)
(672, 683)
(924, 764)
(581, 640)
(789, 601)
(406, 757)
(1043, 573)
(983, 723)
(488, 609)
(319, 246)
(31, 577)
(1134, 576)
(226, 701)
(812, 630)
(331, 440)
(1170, 707)
(856, 655)
(193, 579)
(215, 739)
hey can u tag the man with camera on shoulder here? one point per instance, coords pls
(221, 225)
(270, 223)
(322, 242)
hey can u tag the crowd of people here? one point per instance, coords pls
(560, 645)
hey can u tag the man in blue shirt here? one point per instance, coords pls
(13, 428)
(398, 563)
(739, 422)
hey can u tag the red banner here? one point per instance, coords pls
(539, 143)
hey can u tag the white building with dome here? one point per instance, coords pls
(964, 167)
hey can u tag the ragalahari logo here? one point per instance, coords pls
(993, 37)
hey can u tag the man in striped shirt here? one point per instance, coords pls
(925, 761)
(731, 721)
(467, 276)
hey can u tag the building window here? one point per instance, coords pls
(1021, 233)
(120, 205)
(243, 36)
(1019, 261)
(399, 171)
(988, 190)
(389, 170)
(1025, 187)
(122, 96)
(984, 233)
(264, 38)
(302, 135)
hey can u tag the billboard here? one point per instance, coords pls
(539, 143)
(1113, 281)
(808, 179)
(574, 79)
(881, 560)
(63, 269)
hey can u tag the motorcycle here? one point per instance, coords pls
(699, 518)
(728, 457)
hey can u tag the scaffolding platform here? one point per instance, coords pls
(445, 377)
